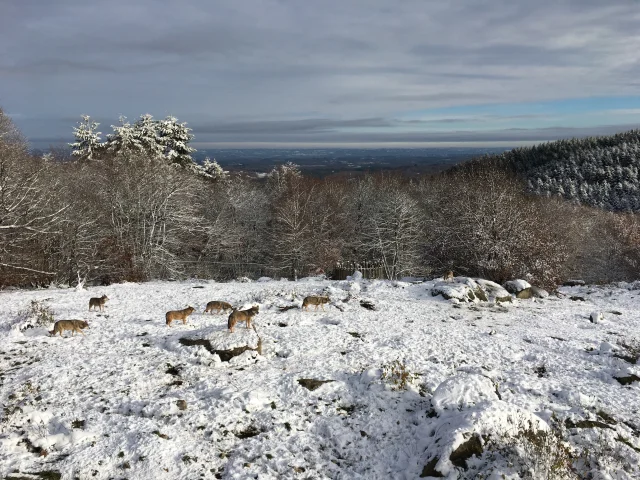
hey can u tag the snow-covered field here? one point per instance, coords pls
(128, 400)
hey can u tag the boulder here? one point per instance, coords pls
(539, 292)
(451, 291)
(493, 291)
(312, 384)
(515, 286)
(519, 288)
(477, 292)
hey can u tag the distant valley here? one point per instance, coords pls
(322, 162)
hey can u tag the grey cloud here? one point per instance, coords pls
(415, 98)
(503, 54)
(287, 126)
(321, 125)
(504, 136)
(276, 60)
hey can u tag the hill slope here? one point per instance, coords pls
(597, 171)
(107, 405)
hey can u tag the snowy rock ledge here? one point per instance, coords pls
(462, 289)
(470, 414)
(465, 289)
(495, 293)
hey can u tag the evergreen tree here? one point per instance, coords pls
(146, 134)
(597, 171)
(213, 170)
(122, 140)
(87, 144)
(174, 139)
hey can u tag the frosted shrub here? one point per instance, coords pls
(37, 314)
(530, 453)
(398, 375)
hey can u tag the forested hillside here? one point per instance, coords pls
(138, 208)
(595, 171)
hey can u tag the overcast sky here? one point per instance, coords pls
(334, 72)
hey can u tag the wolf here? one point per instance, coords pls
(218, 306)
(179, 315)
(73, 325)
(313, 300)
(242, 316)
(98, 302)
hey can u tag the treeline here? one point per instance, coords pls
(131, 215)
(601, 172)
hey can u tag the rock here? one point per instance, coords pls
(225, 355)
(287, 307)
(481, 294)
(429, 469)
(586, 424)
(632, 359)
(596, 317)
(462, 291)
(78, 424)
(46, 475)
(466, 450)
(250, 431)
(368, 304)
(517, 286)
(539, 292)
(182, 404)
(628, 380)
(573, 283)
(524, 294)
(575, 298)
(493, 291)
(312, 384)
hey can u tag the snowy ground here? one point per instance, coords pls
(105, 405)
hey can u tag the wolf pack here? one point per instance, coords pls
(216, 306)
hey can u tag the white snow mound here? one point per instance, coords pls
(516, 286)
(463, 391)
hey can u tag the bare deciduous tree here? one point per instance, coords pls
(481, 222)
(388, 226)
(28, 211)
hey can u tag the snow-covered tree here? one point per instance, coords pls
(387, 226)
(213, 170)
(87, 143)
(122, 139)
(281, 175)
(174, 137)
(146, 134)
(30, 211)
